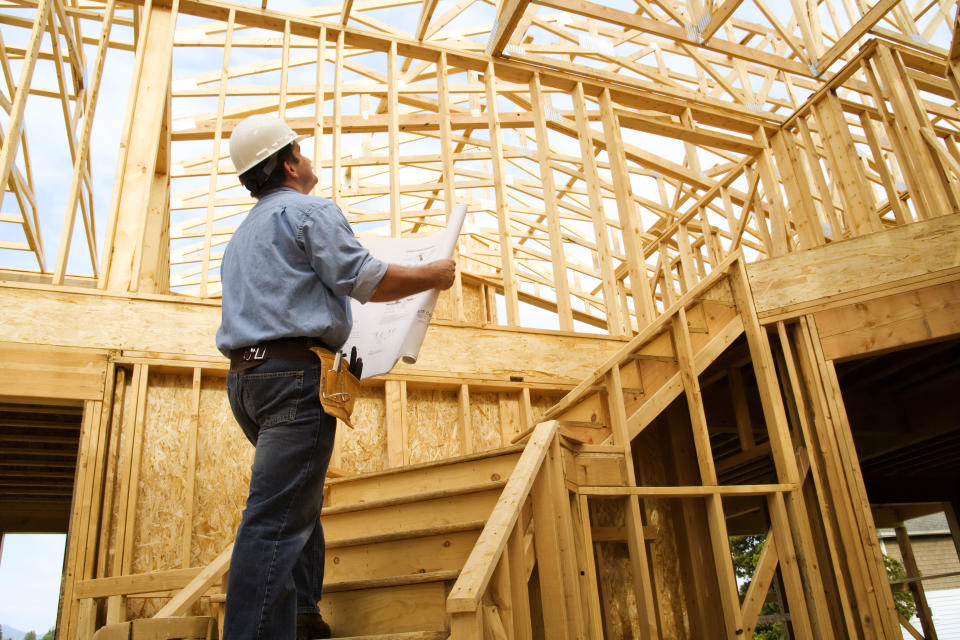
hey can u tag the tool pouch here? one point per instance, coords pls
(338, 388)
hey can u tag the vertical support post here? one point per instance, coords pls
(116, 609)
(130, 476)
(319, 99)
(284, 71)
(726, 582)
(780, 243)
(86, 619)
(396, 399)
(630, 221)
(859, 206)
(642, 582)
(504, 222)
(466, 421)
(561, 286)
(549, 557)
(446, 157)
(113, 455)
(143, 147)
(916, 588)
(336, 184)
(800, 518)
(796, 182)
(193, 426)
(393, 133)
(519, 580)
(217, 137)
(615, 325)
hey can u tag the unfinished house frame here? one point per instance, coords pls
(709, 286)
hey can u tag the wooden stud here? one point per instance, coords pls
(504, 222)
(193, 427)
(396, 399)
(615, 323)
(218, 134)
(558, 261)
(916, 588)
(394, 140)
(630, 222)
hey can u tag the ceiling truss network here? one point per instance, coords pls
(608, 154)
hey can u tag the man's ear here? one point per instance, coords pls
(289, 169)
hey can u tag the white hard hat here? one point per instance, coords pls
(256, 138)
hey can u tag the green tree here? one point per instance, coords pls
(31, 635)
(902, 599)
(746, 554)
(49, 634)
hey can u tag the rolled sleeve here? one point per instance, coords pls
(343, 264)
(371, 273)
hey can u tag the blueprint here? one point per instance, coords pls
(386, 332)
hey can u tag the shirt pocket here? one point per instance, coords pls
(273, 398)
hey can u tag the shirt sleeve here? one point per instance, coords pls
(339, 260)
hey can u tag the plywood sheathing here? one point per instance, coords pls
(220, 488)
(364, 448)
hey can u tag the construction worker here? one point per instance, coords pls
(287, 273)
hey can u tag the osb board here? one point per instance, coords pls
(473, 304)
(485, 421)
(540, 403)
(614, 573)
(665, 517)
(162, 514)
(224, 457)
(433, 425)
(364, 448)
(127, 415)
(444, 309)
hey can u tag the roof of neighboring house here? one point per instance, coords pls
(933, 524)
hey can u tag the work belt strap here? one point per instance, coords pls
(285, 349)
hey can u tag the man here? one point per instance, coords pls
(287, 273)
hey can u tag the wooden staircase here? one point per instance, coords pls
(396, 541)
(454, 548)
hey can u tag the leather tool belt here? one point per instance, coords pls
(285, 348)
(338, 387)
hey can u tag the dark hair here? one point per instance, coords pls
(258, 182)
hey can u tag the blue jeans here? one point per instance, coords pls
(276, 570)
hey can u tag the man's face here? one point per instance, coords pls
(306, 179)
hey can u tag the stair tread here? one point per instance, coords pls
(503, 451)
(401, 535)
(407, 635)
(373, 583)
(391, 581)
(418, 497)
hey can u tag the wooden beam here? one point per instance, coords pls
(858, 269)
(854, 33)
(891, 322)
(508, 16)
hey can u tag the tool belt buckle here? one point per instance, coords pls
(255, 353)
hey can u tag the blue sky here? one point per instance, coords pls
(30, 568)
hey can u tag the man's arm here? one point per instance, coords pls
(400, 282)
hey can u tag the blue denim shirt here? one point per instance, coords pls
(288, 271)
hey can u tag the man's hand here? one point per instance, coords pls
(443, 272)
(400, 282)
